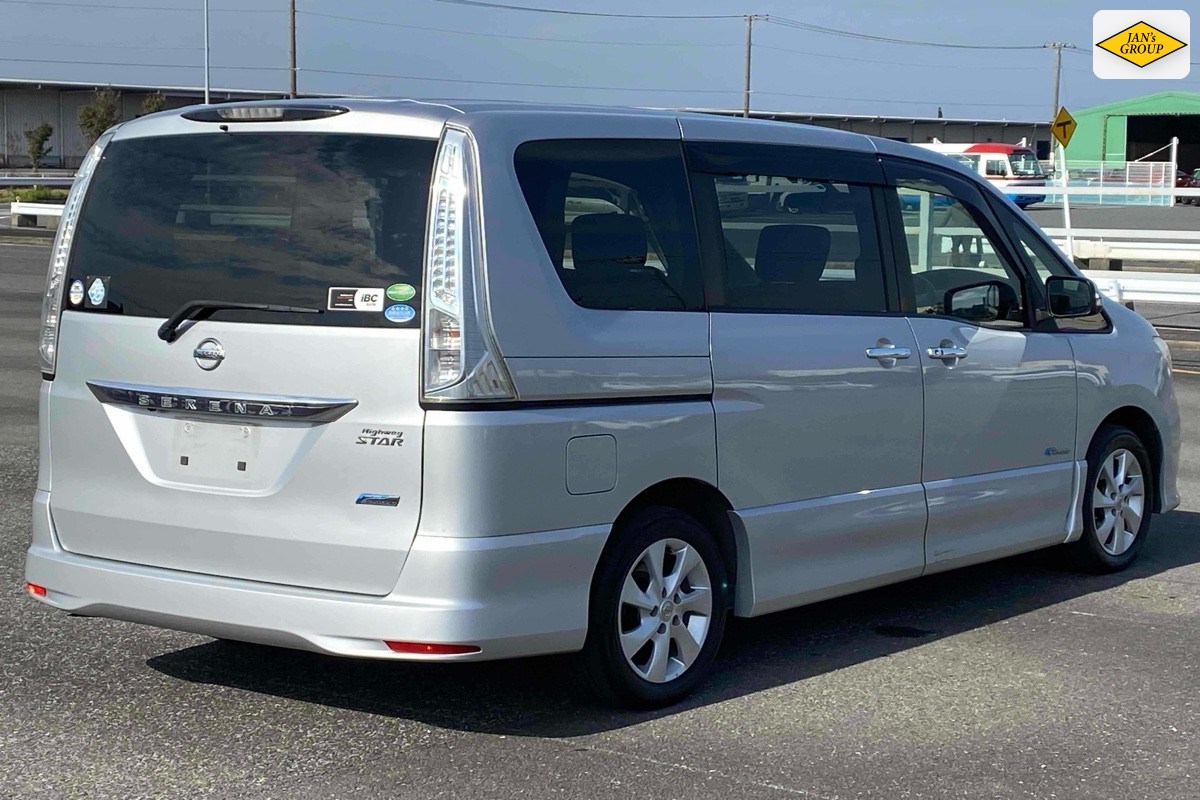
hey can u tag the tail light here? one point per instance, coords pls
(61, 254)
(461, 361)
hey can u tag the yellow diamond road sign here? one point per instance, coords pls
(1141, 44)
(1064, 127)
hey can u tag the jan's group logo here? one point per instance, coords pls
(1141, 44)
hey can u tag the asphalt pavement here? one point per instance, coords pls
(1124, 218)
(1017, 679)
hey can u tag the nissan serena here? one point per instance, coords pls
(459, 381)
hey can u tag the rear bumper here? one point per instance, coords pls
(517, 595)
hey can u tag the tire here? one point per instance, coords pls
(1113, 511)
(628, 606)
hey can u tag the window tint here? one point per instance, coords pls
(616, 220)
(260, 218)
(947, 249)
(1046, 262)
(797, 245)
(1037, 253)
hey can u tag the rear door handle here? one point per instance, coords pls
(951, 353)
(888, 352)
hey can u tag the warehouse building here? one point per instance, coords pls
(26, 104)
(918, 130)
(1130, 129)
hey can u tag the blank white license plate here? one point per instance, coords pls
(213, 450)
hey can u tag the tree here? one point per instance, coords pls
(100, 114)
(35, 143)
(153, 102)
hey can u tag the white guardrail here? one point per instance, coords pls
(37, 213)
(36, 180)
(1146, 287)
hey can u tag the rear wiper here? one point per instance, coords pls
(203, 309)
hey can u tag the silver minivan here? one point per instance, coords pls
(461, 381)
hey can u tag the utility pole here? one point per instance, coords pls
(206, 83)
(750, 19)
(292, 47)
(1058, 48)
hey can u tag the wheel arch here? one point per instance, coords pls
(1142, 424)
(701, 500)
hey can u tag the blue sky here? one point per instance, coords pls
(681, 62)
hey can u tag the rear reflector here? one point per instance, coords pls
(35, 590)
(426, 649)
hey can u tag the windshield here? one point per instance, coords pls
(1025, 165)
(326, 221)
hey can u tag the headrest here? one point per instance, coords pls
(608, 241)
(791, 253)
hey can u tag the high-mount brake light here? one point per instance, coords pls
(263, 113)
(461, 361)
(60, 255)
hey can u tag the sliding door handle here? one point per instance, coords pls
(890, 352)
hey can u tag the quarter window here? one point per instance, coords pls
(799, 245)
(946, 251)
(616, 220)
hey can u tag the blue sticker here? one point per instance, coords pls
(400, 312)
(97, 291)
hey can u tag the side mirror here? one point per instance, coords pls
(982, 302)
(1070, 296)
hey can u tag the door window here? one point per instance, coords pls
(950, 263)
(793, 244)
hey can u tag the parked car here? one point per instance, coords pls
(1190, 181)
(466, 381)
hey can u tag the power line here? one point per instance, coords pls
(121, 7)
(490, 34)
(807, 26)
(886, 63)
(515, 83)
(883, 100)
(508, 7)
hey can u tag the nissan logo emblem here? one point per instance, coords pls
(209, 354)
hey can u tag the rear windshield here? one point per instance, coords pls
(328, 221)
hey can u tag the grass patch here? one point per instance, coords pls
(34, 194)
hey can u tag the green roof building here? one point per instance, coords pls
(1130, 129)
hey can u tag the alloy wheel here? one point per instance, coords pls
(1119, 501)
(665, 610)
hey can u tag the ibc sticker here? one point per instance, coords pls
(400, 313)
(352, 299)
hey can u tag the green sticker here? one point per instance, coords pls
(400, 292)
